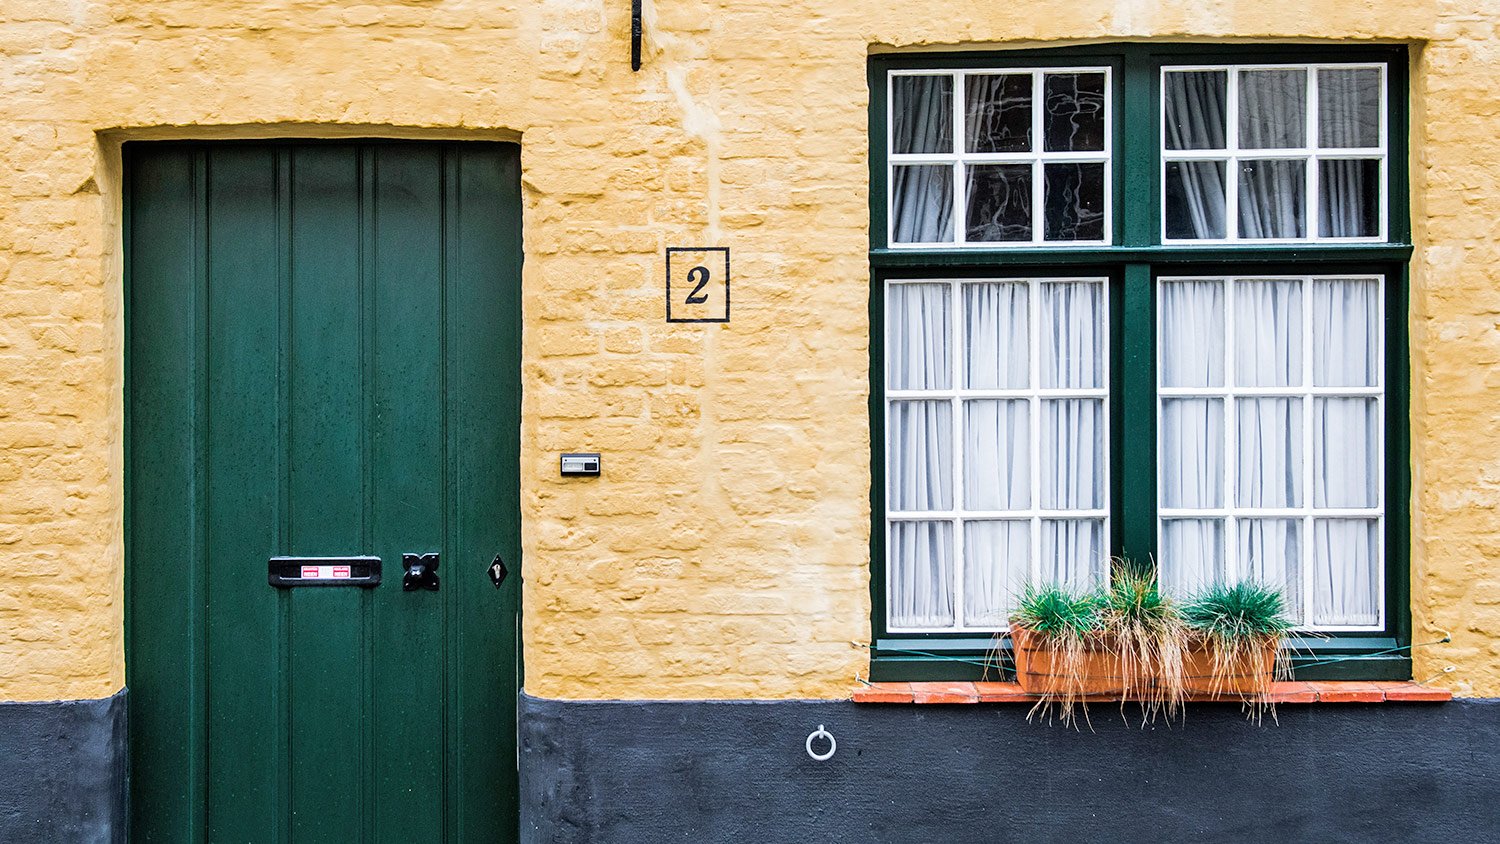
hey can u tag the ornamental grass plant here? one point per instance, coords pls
(1131, 641)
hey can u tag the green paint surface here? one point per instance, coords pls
(323, 360)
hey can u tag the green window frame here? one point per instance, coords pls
(1133, 256)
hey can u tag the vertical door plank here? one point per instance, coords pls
(241, 507)
(165, 669)
(325, 668)
(483, 405)
(407, 510)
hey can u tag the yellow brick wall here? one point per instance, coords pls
(725, 552)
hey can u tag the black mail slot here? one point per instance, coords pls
(324, 571)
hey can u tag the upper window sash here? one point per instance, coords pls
(974, 161)
(1274, 153)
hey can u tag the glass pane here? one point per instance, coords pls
(1071, 334)
(1270, 553)
(1192, 453)
(1073, 553)
(919, 471)
(1349, 107)
(997, 112)
(1074, 119)
(1072, 454)
(999, 202)
(1268, 333)
(995, 316)
(1192, 333)
(921, 574)
(1192, 555)
(1268, 440)
(997, 455)
(921, 114)
(1195, 200)
(1349, 197)
(1346, 446)
(1273, 198)
(1346, 571)
(997, 563)
(922, 204)
(1073, 200)
(1194, 105)
(1273, 109)
(917, 324)
(1346, 332)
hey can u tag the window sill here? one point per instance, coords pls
(1351, 691)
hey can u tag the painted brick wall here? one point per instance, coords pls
(725, 552)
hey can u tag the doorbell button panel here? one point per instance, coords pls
(580, 464)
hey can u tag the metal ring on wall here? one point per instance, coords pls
(821, 733)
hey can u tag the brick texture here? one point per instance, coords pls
(725, 553)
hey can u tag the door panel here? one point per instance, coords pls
(323, 361)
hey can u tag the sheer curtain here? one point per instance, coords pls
(1272, 115)
(1349, 118)
(1014, 521)
(1265, 401)
(922, 195)
(1195, 117)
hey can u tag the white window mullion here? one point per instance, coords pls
(960, 183)
(1308, 548)
(1232, 146)
(1034, 373)
(956, 347)
(1231, 439)
(1314, 218)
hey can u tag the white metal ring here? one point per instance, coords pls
(821, 733)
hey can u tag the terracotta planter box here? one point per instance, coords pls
(1039, 670)
(1248, 677)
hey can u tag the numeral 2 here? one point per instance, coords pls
(700, 274)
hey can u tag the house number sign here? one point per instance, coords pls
(698, 284)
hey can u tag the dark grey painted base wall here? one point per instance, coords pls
(706, 772)
(62, 771)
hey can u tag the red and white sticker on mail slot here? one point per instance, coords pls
(325, 572)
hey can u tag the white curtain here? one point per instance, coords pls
(995, 445)
(1270, 468)
(922, 195)
(1195, 115)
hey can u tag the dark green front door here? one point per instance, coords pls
(322, 361)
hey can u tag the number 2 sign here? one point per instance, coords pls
(698, 284)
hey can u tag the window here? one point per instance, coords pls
(1136, 303)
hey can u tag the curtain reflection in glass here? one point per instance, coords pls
(997, 112)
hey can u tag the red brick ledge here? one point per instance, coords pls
(1346, 691)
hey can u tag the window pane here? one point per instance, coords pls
(1194, 104)
(1192, 333)
(1273, 109)
(997, 112)
(1071, 334)
(1268, 333)
(1074, 119)
(1192, 555)
(921, 574)
(1195, 200)
(919, 474)
(922, 114)
(999, 202)
(1349, 197)
(1346, 332)
(1270, 552)
(1346, 443)
(1192, 458)
(997, 455)
(1072, 454)
(922, 204)
(997, 562)
(1273, 198)
(917, 324)
(1073, 553)
(1346, 571)
(1268, 439)
(995, 316)
(1073, 196)
(1349, 107)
